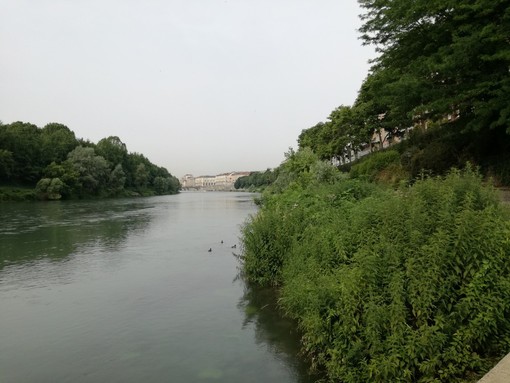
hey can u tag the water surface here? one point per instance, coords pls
(127, 291)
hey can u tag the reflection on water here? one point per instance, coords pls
(277, 333)
(56, 230)
(126, 291)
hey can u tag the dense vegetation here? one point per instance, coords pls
(256, 180)
(51, 163)
(441, 63)
(409, 285)
(399, 269)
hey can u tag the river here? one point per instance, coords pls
(127, 291)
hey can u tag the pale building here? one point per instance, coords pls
(220, 182)
(187, 181)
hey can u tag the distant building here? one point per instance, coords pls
(204, 182)
(382, 138)
(220, 182)
(187, 181)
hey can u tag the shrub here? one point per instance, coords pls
(370, 166)
(410, 285)
(16, 194)
(49, 188)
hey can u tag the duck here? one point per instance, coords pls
(234, 246)
(210, 250)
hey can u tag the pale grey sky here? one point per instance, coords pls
(197, 86)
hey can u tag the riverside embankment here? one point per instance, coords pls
(409, 285)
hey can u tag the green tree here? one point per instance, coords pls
(24, 142)
(348, 136)
(92, 170)
(116, 180)
(132, 162)
(6, 164)
(113, 150)
(57, 141)
(141, 176)
(66, 173)
(442, 57)
(161, 185)
(256, 180)
(340, 138)
(50, 188)
(63, 166)
(301, 169)
(319, 138)
(384, 106)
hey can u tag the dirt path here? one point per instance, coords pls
(500, 373)
(504, 193)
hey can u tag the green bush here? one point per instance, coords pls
(8, 193)
(370, 166)
(437, 149)
(269, 236)
(410, 285)
(437, 158)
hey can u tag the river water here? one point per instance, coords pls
(127, 291)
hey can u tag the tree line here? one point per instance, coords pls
(256, 180)
(59, 165)
(443, 63)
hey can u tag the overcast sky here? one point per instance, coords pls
(197, 86)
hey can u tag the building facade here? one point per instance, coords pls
(220, 182)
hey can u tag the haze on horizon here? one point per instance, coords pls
(197, 86)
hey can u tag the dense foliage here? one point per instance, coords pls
(372, 166)
(443, 63)
(256, 180)
(411, 285)
(59, 165)
(434, 151)
(441, 57)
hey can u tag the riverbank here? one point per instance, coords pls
(389, 285)
(10, 193)
(22, 193)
